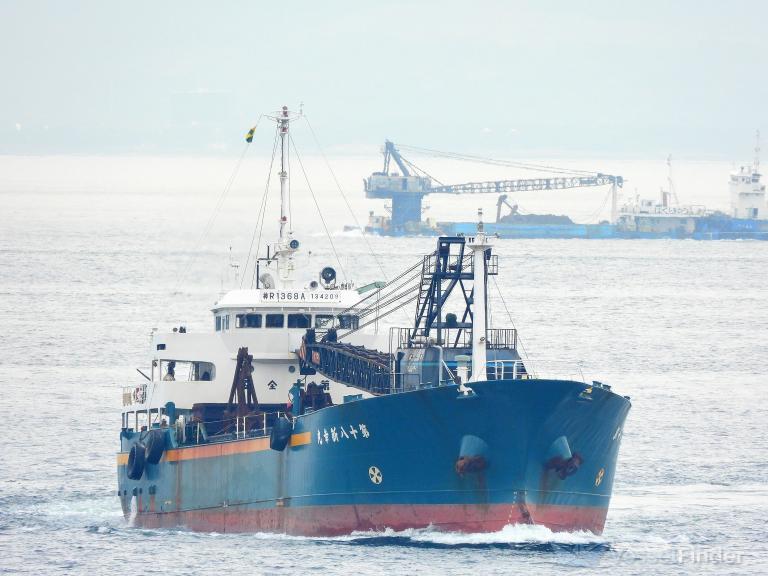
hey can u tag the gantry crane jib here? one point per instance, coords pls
(407, 189)
(526, 184)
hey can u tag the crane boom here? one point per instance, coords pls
(526, 184)
(391, 152)
(502, 201)
(407, 188)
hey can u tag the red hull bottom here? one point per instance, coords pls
(340, 520)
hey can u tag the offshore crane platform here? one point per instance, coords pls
(407, 188)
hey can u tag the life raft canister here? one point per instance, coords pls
(136, 458)
(155, 446)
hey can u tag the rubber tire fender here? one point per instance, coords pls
(135, 467)
(155, 446)
(280, 434)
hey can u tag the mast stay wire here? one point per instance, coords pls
(486, 160)
(511, 321)
(319, 212)
(589, 218)
(597, 213)
(214, 214)
(263, 208)
(208, 227)
(421, 170)
(259, 224)
(290, 204)
(344, 197)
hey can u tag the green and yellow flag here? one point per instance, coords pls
(249, 136)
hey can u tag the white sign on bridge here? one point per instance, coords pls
(300, 296)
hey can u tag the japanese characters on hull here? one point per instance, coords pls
(336, 434)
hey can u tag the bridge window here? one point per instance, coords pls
(274, 321)
(299, 320)
(323, 320)
(248, 321)
(187, 371)
(349, 321)
(218, 323)
(203, 371)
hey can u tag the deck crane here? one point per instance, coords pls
(407, 188)
(501, 202)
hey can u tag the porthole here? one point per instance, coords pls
(291, 368)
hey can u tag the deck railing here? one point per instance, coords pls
(134, 394)
(497, 338)
(497, 369)
(455, 261)
(193, 432)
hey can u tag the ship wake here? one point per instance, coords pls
(519, 536)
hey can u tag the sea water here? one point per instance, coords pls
(90, 265)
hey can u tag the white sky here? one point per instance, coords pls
(599, 79)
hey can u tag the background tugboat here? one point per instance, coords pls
(290, 418)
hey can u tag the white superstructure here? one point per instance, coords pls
(269, 319)
(747, 193)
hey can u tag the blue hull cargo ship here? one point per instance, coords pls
(293, 417)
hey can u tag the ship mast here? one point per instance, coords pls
(286, 246)
(283, 123)
(756, 166)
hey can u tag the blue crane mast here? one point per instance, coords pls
(406, 189)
